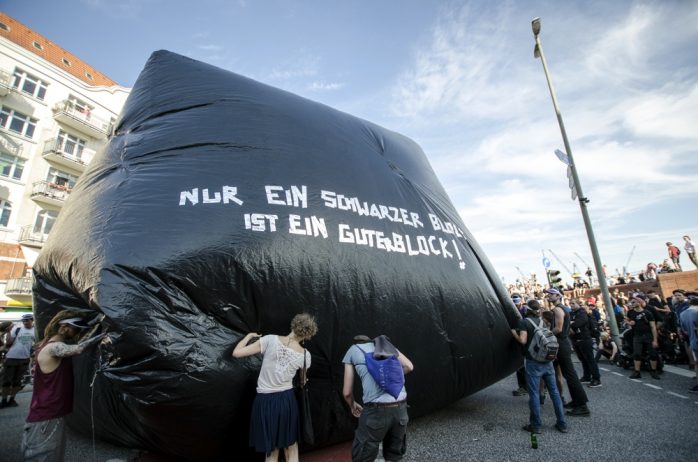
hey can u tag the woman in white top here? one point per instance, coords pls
(274, 422)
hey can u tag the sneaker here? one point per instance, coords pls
(693, 389)
(520, 392)
(636, 375)
(561, 428)
(654, 375)
(569, 405)
(12, 403)
(579, 411)
(594, 384)
(531, 429)
(584, 379)
(3, 404)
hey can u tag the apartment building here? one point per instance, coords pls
(56, 112)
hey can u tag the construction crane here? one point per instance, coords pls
(582, 260)
(523, 276)
(560, 262)
(625, 267)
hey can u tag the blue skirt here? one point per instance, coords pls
(274, 423)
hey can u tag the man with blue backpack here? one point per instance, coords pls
(383, 415)
(541, 348)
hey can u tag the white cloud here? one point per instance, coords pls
(320, 86)
(209, 47)
(673, 113)
(631, 124)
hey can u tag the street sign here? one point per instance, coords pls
(564, 158)
(546, 262)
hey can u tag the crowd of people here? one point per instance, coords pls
(529, 287)
(653, 331)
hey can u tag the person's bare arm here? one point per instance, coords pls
(559, 320)
(63, 350)
(405, 362)
(348, 391)
(242, 349)
(520, 337)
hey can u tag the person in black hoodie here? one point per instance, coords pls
(582, 342)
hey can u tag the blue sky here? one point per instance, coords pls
(459, 78)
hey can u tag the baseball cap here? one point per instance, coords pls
(516, 298)
(552, 292)
(27, 317)
(75, 322)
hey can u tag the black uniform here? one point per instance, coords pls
(564, 360)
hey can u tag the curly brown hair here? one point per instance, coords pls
(303, 326)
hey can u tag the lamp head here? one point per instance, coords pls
(535, 25)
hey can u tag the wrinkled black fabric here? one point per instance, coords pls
(168, 233)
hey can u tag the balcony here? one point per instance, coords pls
(81, 119)
(19, 289)
(5, 82)
(52, 194)
(10, 146)
(28, 237)
(54, 152)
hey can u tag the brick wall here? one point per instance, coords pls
(9, 267)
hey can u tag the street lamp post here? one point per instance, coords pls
(538, 53)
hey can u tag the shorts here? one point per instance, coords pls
(13, 372)
(44, 441)
(639, 343)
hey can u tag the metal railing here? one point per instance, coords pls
(46, 188)
(82, 113)
(5, 81)
(27, 234)
(20, 286)
(54, 145)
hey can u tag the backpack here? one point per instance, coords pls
(544, 345)
(386, 372)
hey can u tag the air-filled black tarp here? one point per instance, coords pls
(222, 206)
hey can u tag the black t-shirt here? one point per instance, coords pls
(526, 325)
(579, 325)
(642, 321)
(652, 306)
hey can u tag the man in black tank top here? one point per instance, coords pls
(561, 329)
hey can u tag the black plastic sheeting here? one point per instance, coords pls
(222, 206)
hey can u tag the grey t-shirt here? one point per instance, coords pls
(22, 345)
(372, 392)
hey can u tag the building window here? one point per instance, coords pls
(17, 122)
(88, 75)
(29, 84)
(38, 46)
(5, 212)
(80, 106)
(4, 27)
(66, 62)
(44, 221)
(61, 178)
(11, 166)
(71, 145)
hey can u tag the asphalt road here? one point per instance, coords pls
(639, 420)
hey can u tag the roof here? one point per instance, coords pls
(25, 37)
